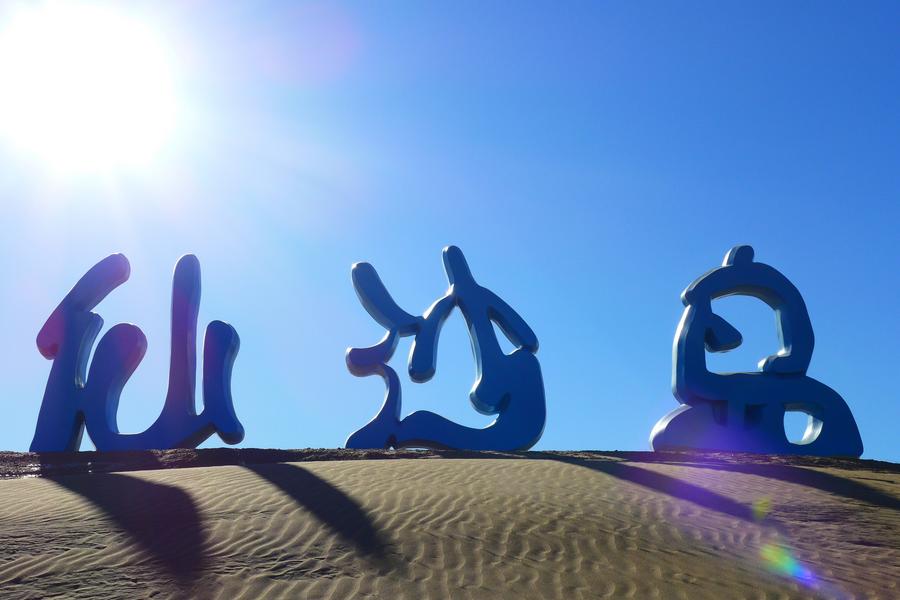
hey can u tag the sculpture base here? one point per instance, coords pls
(705, 427)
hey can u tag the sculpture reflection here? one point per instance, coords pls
(73, 401)
(509, 386)
(745, 411)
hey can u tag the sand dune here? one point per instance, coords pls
(567, 526)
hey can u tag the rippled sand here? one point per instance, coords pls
(567, 526)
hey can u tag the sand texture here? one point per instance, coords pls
(537, 525)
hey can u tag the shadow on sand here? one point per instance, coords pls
(807, 475)
(666, 484)
(678, 488)
(331, 506)
(826, 482)
(163, 520)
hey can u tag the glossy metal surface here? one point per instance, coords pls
(745, 411)
(507, 385)
(75, 398)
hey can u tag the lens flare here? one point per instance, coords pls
(780, 560)
(761, 508)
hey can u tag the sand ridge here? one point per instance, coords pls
(537, 525)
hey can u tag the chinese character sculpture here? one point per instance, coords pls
(744, 412)
(73, 401)
(507, 385)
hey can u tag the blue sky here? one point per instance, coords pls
(590, 159)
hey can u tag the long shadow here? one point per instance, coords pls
(163, 520)
(341, 513)
(666, 484)
(826, 482)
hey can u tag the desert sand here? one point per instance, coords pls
(339, 524)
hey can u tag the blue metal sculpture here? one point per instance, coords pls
(507, 385)
(73, 401)
(745, 411)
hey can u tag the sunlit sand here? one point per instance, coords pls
(341, 524)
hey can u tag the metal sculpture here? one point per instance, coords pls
(73, 401)
(745, 411)
(507, 385)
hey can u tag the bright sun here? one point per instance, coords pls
(84, 88)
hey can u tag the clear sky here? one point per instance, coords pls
(590, 158)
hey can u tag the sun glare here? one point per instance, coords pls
(84, 88)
